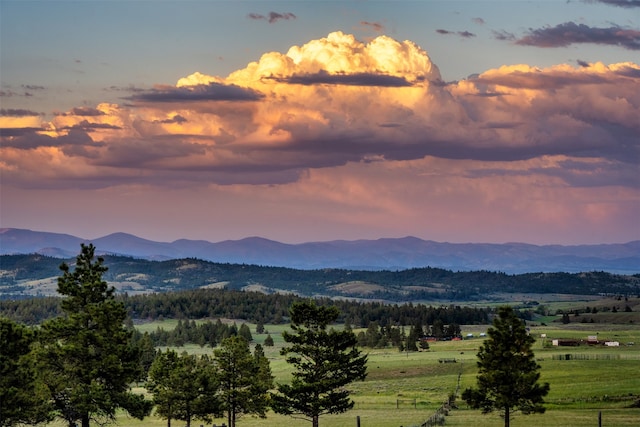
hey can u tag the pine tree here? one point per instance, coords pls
(268, 341)
(21, 399)
(325, 361)
(183, 387)
(508, 373)
(244, 379)
(87, 358)
(245, 332)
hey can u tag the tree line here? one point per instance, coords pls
(189, 332)
(254, 307)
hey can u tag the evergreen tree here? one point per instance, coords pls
(325, 362)
(147, 353)
(508, 373)
(412, 339)
(245, 332)
(183, 387)
(265, 377)
(268, 341)
(21, 399)
(244, 379)
(87, 358)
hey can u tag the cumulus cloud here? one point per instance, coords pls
(569, 33)
(272, 17)
(337, 101)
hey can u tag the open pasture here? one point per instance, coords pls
(404, 389)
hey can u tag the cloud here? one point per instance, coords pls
(87, 126)
(337, 102)
(177, 118)
(619, 3)
(354, 79)
(32, 139)
(17, 131)
(378, 27)
(272, 17)
(8, 93)
(465, 34)
(503, 35)
(16, 121)
(205, 92)
(569, 33)
(478, 21)
(17, 112)
(83, 111)
(33, 87)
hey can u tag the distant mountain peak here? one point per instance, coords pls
(384, 253)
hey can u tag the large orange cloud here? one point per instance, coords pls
(331, 102)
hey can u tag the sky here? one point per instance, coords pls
(297, 121)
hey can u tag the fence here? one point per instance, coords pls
(438, 419)
(591, 356)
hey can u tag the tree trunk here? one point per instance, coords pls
(315, 421)
(507, 417)
(85, 420)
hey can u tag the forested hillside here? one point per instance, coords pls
(27, 275)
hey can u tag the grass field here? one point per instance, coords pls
(404, 389)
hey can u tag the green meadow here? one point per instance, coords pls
(405, 389)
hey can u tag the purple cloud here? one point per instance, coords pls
(503, 35)
(618, 3)
(83, 111)
(211, 92)
(87, 126)
(272, 17)
(17, 112)
(465, 34)
(175, 119)
(569, 33)
(378, 27)
(355, 79)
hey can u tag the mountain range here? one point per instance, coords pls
(381, 254)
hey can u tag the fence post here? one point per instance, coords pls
(600, 419)
(358, 421)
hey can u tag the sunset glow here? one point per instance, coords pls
(342, 134)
